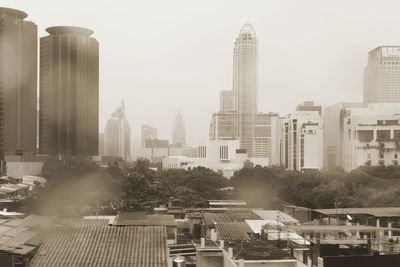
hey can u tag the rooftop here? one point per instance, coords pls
(276, 215)
(227, 203)
(232, 231)
(21, 236)
(258, 250)
(13, 12)
(336, 228)
(141, 218)
(72, 30)
(210, 218)
(78, 242)
(376, 212)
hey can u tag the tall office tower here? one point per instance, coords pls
(117, 135)
(69, 92)
(382, 75)
(226, 101)
(245, 83)
(148, 133)
(18, 82)
(178, 132)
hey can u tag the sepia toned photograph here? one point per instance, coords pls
(199, 133)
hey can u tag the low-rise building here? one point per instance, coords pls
(24, 164)
(222, 156)
(358, 135)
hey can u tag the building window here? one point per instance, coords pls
(368, 156)
(383, 135)
(223, 152)
(365, 135)
(381, 156)
(391, 122)
(395, 156)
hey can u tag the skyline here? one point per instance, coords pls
(154, 67)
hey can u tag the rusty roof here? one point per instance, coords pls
(78, 242)
(232, 231)
(141, 218)
(229, 216)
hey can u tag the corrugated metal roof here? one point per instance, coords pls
(140, 218)
(377, 212)
(232, 231)
(18, 236)
(276, 215)
(229, 216)
(95, 243)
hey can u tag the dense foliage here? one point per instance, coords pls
(78, 186)
(366, 186)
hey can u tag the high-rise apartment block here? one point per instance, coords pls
(69, 92)
(382, 75)
(301, 138)
(18, 82)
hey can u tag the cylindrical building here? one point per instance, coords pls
(69, 92)
(18, 82)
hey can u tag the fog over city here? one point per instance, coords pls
(165, 56)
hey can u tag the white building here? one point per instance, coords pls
(224, 156)
(367, 135)
(117, 135)
(382, 75)
(301, 138)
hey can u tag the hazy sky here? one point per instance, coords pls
(169, 55)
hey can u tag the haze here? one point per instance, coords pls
(164, 56)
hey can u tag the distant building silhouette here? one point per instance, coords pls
(69, 92)
(117, 135)
(18, 82)
(179, 132)
(382, 75)
(148, 133)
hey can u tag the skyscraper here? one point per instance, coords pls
(69, 92)
(382, 75)
(245, 85)
(18, 82)
(117, 135)
(148, 133)
(178, 132)
(226, 101)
